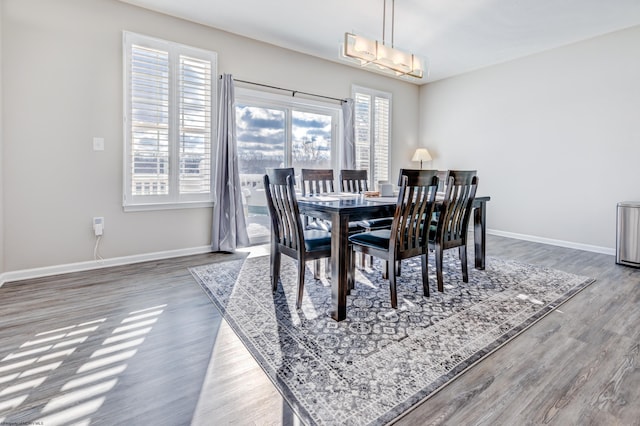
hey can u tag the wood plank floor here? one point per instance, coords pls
(142, 344)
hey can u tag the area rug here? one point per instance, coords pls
(379, 362)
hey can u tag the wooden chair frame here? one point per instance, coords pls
(453, 220)
(287, 233)
(408, 234)
(314, 182)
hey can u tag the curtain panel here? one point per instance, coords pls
(349, 143)
(229, 228)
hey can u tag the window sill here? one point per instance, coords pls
(167, 206)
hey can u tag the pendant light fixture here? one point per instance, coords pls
(378, 55)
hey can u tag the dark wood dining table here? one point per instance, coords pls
(340, 209)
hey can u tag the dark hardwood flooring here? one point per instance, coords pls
(142, 344)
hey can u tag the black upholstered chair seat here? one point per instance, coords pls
(379, 238)
(315, 240)
(375, 239)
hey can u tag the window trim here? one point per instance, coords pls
(265, 99)
(173, 200)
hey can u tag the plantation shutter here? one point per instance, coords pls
(381, 139)
(372, 133)
(149, 121)
(363, 133)
(195, 125)
(170, 113)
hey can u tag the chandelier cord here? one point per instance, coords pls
(393, 19)
(384, 21)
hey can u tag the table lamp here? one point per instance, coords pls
(421, 155)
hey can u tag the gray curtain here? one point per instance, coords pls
(229, 228)
(349, 143)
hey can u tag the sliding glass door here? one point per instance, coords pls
(280, 131)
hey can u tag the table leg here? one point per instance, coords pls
(339, 265)
(480, 234)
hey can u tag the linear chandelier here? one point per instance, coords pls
(379, 56)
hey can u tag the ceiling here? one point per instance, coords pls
(456, 36)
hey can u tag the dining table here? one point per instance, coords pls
(342, 208)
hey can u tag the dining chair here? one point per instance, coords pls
(316, 181)
(320, 181)
(287, 234)
(412, 174)
(452, 220)
(357, 181)
(354, 181)
(407, 236)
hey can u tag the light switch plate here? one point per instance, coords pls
(98, 144)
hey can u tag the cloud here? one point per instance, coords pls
(308, 121)
(254, 118)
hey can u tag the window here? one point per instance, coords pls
(280, 131)
(372, 133)
(170, 115)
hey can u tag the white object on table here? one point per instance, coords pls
(386, 190)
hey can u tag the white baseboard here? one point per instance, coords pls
(561, 243)
(127, 260)
(86, 266)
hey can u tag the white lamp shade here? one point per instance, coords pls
(421, 154)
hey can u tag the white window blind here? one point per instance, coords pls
(169, 122)
(195, 125)
(372, 133)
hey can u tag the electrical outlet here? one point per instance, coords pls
(98, 225)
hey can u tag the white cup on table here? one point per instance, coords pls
(386, 190)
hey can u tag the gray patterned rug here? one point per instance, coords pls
(379, 362)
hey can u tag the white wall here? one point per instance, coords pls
(1, 156)
(555, 137)
(62, 81)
